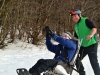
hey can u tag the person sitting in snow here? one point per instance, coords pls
(64, 51)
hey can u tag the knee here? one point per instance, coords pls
(30, 70)
(41, 60)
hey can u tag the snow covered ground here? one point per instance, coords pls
(23, 55)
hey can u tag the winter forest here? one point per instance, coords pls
(25, 19)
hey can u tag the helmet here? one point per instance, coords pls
(76, 11)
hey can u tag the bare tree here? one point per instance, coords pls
(26, 19)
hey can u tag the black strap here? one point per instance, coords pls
(58, 51)
(64, 54)
(75, 69)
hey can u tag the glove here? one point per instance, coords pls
(48, 32)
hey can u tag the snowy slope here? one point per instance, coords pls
(20, 54)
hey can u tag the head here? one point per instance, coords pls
(75, 15)
(66, 35)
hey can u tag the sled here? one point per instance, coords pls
(58, 70)
(22, 71)
(67, 67)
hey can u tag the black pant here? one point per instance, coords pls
(43, 65)
(91, 51)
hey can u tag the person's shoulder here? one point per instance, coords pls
(84, 18)
(90, 23)
(88, 20)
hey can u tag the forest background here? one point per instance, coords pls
(26, 19)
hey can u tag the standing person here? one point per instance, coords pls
(67, 48)
(86, 30)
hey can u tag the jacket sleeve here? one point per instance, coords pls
(65, 42)
(90, 24)
(51, 47)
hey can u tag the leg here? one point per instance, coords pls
(79, 64)
(43, 65)
(92, 53)
(47, 64)
(34, 68)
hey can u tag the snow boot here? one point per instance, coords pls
(22, 71)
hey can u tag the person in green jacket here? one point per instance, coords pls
(85, 30)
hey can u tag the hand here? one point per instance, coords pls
(88, 37)
(48, 32)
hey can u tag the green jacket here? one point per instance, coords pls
(82, 31)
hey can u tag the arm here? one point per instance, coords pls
(93, 31)
(50, 46)
(65, 42)
(92, 27)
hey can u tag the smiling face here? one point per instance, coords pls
(75, 18)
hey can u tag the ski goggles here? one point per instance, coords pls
(74, 12)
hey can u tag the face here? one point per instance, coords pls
(75, 18)
(66, 37)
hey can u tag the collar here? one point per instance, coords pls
(79, 20)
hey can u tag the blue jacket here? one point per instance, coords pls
(68, 44)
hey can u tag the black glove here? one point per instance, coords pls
(48, 32)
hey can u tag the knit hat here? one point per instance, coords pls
(67, 34)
